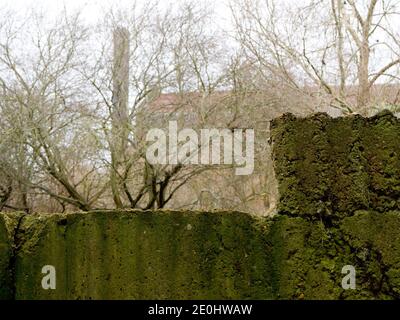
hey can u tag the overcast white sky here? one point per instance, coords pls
(92, 9)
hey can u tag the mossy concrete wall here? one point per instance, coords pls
(5, 259)
(334, 167)
(178, 255)
(143, 255)
(339, 187)
(309, 256)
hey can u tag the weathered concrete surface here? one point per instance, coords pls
(7, 225)
(327, 166)
(144, 255)
(177, 255)
(309, 256)
(374, 240)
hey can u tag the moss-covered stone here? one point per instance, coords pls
(308, 260)
(309, 257)
(6, 251)
(325, 165)
(144, 255)
(374, 239)
(219, 255)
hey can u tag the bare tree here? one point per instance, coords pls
(41, 105)
(170, 51)
(323, 49)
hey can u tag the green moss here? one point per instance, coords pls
(301, 163)
(144, 255)
(307, 262)
(375, 241)
(308, 257)
(341, 165)
(5, 256)
(219, 255)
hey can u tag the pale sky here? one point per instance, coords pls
(93, 9)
